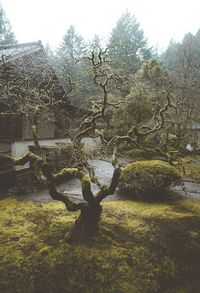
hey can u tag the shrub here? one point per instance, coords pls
(148, 178)
(63, 155)
(140, 154)
(196, 152)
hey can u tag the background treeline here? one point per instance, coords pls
(146, 77)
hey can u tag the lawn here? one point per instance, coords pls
(140, 247)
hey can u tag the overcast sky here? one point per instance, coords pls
(48, 20)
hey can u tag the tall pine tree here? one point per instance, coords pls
(66, 60)
(72, 46)
(184, 58)
(127, 45)
(6, 34)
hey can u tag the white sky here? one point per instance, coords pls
(48, 20)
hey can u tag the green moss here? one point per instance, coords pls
(148, 178)
(66, 173)
(140, 154)
(85, 181)
(191, 171)
(140, 247)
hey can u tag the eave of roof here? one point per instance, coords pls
(11, 52)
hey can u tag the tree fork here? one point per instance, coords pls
(90, 208)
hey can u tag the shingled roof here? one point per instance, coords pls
(32, 59)
(8, 52)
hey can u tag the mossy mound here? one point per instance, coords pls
(148, 178)
(140, 247)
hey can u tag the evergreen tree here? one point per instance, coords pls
(90, 91)
(184, 58)
(95, 44)
(72, 45)
(169, 56)
(6, 34)
(67, 60)
(48, 51)
(127, 45)
(70, 50)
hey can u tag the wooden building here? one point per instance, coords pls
(26, 75)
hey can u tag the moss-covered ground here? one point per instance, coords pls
(140, 247)
(192, 171)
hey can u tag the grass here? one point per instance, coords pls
(140, 247)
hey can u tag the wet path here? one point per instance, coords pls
(189, 189)
(104, 171)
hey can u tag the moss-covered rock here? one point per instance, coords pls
(148, 178)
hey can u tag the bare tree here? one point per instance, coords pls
(22, 99)
(90, 208)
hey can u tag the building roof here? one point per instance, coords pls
(32, 59)
(8, 52)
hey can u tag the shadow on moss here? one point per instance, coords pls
(140, 247)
